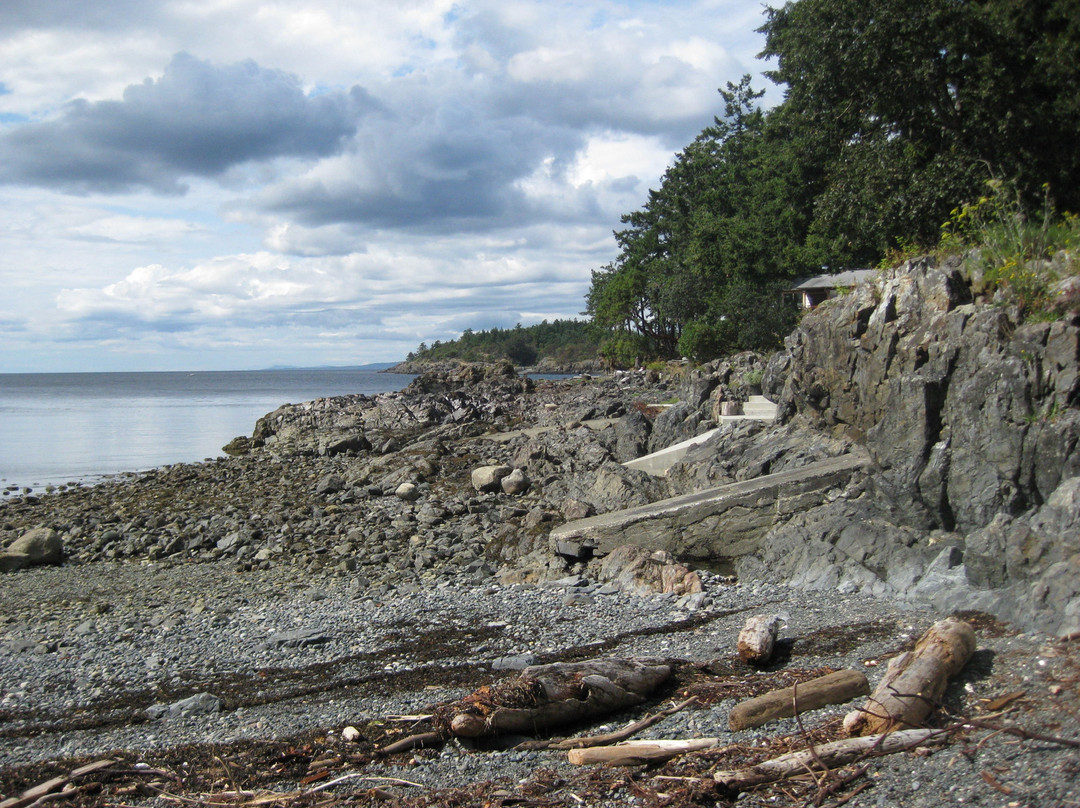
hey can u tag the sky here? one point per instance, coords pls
(239, 184)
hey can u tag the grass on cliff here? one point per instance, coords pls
(1016, 255)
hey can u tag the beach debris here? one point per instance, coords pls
(914, 681)
(758, 638)
(833, 688)
(825, 757)
(544, 696)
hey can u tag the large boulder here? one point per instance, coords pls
(38, 546)
(631, 436)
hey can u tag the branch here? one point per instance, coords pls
(611, 737)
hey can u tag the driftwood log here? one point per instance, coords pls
(758, 638)
(834, 688)
(837, 753)
(914, 681)
(544, 696)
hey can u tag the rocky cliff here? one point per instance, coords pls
(972, 419)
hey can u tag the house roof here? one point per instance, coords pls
(849, 277)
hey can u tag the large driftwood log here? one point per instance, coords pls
(549, 695)
(758, 638)
(834, 688)
(837, 753)
(633, 753)
(915, 681)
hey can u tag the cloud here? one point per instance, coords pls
(198, 119)
(206, 179)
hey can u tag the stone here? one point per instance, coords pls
(640, 571)
(330, 484)
(407, 492)
(488, 479)
(299, 638)
(513, 662)
(12, 562)
(631, 436)
(516, 482)
(199, 704)
(240, 445)
(574, 509)
(41, 545)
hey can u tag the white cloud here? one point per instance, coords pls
(344, 177)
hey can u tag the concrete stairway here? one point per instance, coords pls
(759, 408)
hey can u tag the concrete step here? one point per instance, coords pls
(719, 523)
(759, 407)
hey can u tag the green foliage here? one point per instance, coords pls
(911, 102)
(560, 341)
(1011, 245)
(893, 110)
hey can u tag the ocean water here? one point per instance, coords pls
(66, 427)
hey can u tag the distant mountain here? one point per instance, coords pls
(369, 366)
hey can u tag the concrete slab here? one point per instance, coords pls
(659, 462)
(719, 523)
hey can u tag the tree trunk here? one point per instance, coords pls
(914, 682)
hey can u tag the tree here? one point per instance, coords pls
(725, 217)
(914, 103)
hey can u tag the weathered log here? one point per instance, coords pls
(834, 688)
(915, 681)
(758, 638)
(633, 753)
(608, 738)
(837, 753)
(549, 695)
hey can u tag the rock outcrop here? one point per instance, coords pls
(972, 419)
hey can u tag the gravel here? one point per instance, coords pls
(86, 651)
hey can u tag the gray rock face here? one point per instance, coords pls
(971, 418)
(967, 412)
(631, 436)
(676, 423)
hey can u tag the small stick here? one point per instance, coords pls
(419, 741)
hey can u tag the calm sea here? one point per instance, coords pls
(62, 427)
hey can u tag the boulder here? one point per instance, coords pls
(516, 482)
(645, 572)
(407, 492)
(489, 478)
(41, 545)
(330, 484)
